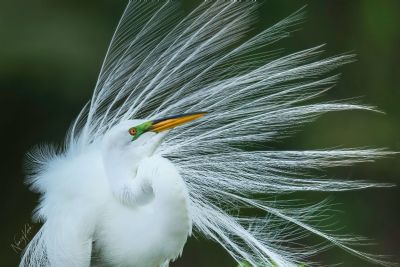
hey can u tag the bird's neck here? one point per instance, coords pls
(170, 194)
(164, 192)
(163, 223)
(171, 210)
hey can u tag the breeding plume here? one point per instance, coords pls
(179, 136)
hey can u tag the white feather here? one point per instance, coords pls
(159, 65)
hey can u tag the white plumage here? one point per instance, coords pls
(134, 202)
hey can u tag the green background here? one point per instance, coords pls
(51, 52)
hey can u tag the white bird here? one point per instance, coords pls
(129, 190)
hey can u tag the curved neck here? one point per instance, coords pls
(124, 182)
(170, 208)
(170, 192)
(155, 187)
(151, 181)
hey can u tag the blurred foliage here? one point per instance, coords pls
(51, 54)
(246, 264)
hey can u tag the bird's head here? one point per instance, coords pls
(137, 139)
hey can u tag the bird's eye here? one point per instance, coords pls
(132, 131)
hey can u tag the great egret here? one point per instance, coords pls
(132, 189)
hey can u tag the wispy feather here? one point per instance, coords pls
(160, 64)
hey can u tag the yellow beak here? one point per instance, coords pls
(174, 121)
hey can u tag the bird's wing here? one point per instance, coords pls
(159, 64)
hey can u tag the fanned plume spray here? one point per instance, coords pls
(160, 64)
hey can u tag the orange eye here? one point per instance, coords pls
(132, 131)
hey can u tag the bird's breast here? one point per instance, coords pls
(148, 235)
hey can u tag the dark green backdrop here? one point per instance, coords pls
(51, 52)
